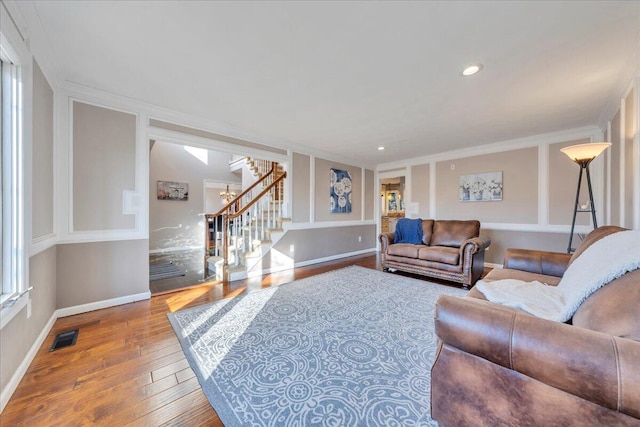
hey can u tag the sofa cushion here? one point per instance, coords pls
(453, 233)
(404, 250)
(613, 309)
(440, 254)
(411, 264)
(427, 231)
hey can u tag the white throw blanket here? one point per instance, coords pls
(605, 260)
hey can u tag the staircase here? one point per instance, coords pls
(241, 234)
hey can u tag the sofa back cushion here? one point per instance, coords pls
(613, 309)
(453, 233)
(427, 231)
(593, 237)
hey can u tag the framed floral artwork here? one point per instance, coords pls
(340, 191)
(480, 187)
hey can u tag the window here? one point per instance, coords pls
(12, 249)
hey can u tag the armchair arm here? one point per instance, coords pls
(386, 239)
(541, 262)
(591, 365)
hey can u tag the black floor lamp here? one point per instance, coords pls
(583, 154)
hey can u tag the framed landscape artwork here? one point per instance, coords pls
(480, 187)
(171, 190)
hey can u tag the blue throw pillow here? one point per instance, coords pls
(409, 231)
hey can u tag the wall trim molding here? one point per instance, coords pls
(327, 224)
(542, 143)
(8, 313)
(42, 243)
(133, 199)
(13, 383)
(180, 138)
(97, 237)
(312, 190)
(636, 153)
(167, 115)
(84, 308)
(496, 147)
(623, 158)
(536, 228)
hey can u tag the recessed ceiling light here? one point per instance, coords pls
(380, 148)
(471, 69)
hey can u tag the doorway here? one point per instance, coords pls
(392, 202)
(195, 176)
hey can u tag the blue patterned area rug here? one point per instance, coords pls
(352, 347)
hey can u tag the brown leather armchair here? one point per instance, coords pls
(500, 366)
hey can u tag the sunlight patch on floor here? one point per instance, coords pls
(220, 338)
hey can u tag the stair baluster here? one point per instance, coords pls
(244, 219)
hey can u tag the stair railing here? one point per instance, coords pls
(237, 226)
(238, 219)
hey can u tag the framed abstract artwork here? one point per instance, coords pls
(340, 189)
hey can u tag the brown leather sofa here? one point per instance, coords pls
(498, 366)
(451, 250)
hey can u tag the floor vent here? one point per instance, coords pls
(64, 339)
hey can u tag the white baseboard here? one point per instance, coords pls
(83, 308)
(270, 270)
(13, 383)
(333, 257)
(176, 249)
(10, 388)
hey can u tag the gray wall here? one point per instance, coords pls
(42, 156)
(91, 272)
(420, 189)
(520, 187)
(174, 223)
(321, 185)
(300, 185)
(520, 202)
(502, 239)
(17, 337)
(104, 147)
(315, 243)
(370, 194)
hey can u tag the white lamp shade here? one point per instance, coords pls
(585, 151)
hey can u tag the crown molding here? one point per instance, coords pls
(161, 113)
(497, 147)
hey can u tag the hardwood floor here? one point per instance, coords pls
(127, 367)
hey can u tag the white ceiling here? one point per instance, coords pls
(346, 77)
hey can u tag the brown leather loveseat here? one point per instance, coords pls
(497, 365)
(450, 250)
